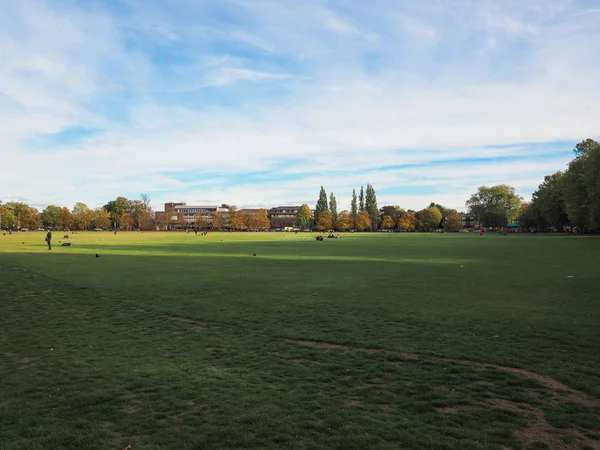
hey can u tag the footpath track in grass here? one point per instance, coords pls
(274, 340)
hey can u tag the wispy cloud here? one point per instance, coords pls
(261, 102)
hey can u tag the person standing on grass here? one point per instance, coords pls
(49, 239)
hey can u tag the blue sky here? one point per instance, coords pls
(260, 102)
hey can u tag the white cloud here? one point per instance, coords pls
(347, 95)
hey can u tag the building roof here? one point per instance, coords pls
(196, 207)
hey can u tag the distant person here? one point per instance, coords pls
(49, 239)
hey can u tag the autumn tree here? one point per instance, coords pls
(304, 218)
(162, 220)
(344, 221)
(126, 221)
(260, 220)
(101, 218)
(429, 219)
(387, 223)
(66, 220)
(353, 205)
(239, 221)
(145, 221)
(25, 216)
(218, 222)
(453, 221)
(116, 208)
(325, 221)
(442, 209)
(363, 221)
(394, 211)
(408, 221)
(181, 220)
(201, 221)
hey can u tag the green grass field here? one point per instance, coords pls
(382, 341)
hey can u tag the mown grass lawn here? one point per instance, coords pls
(273, 340)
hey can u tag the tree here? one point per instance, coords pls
(304, 218)
(363, 222)
(101, 218)
(145, 220)
(442, 209)
(126, 221)
(50, 215)
(145, 200)
(333, 205)
(371, 206)
(83, 216)
(162, 220)
(218, 221)
(494, 206)
(453, 221)
(79, 209)
(239, 221)
(181, 221)
(549, 201)
(429, 219)
(201, 221)
(260, 220)
(7, 218)
(325, 221)
(395, 212)
(408, 221)
(344, 221)
(25, 216)
(321, 204)
(353, 206)
(387, 223)
(361, 199)
(66, 220)
(116, 208)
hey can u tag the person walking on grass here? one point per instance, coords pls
(49, 239)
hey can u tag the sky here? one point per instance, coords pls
(259, 103)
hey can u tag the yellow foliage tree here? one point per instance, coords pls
(239, 221)
(66, 220)
(325, 221)
(126, 221)
(218, 221)
(84, 221)
(260, 220)
(363, 221)
(387, 223)
(408, 221)
(344, 221)
(453, 221)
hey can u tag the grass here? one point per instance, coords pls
(170, 340)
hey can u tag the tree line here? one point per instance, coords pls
(119, 213)
(568, 199)
(365, 215)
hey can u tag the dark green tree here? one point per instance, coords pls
(353, 205)
(321, 204)
(371, 206)
(333, 205)
(361, 199)
(494, 206)
(50, 215)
